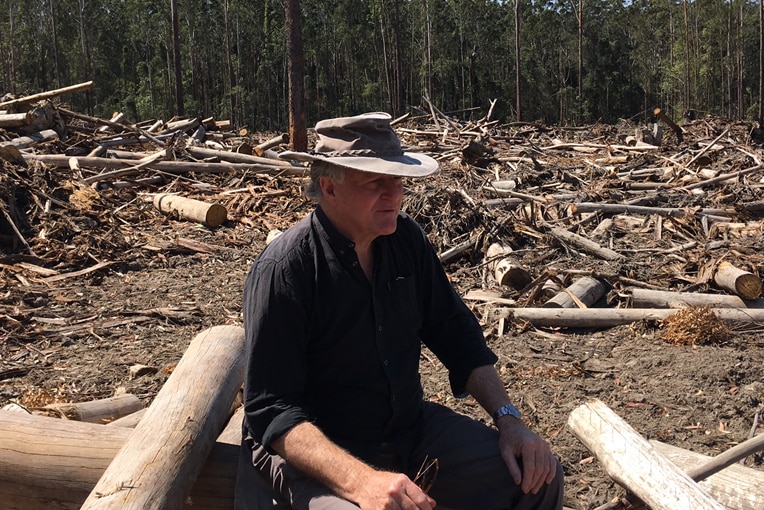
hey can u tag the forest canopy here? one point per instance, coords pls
(556, 61)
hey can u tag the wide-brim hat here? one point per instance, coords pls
(364, 142)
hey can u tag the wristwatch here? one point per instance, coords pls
(506, 410)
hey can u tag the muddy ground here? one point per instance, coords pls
(75, 338)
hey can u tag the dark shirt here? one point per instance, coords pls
(326, 345)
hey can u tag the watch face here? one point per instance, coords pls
(507, 409)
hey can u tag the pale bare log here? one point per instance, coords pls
(171, 167)
(647, 298)
(98, 411)
(281, 139)
(10, 120)
(743, 283)
(236, 157)
(583, 207)
(31, 139)
(585, 244)
(211, 215)
(609, 317)
(735, 487)
(632, 462)
(156, 466)
(50, 463)
(506, 269)
(49, 94)
(129, 421)
(584, 292)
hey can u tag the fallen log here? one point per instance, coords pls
(583, 293)
(670, 123)
(49, 94)
(671, 212)
(51, 463)
(173, 167)
(632, 462)
(506, 269)
(236, 157)
(647, 298)
(98, 411)
(743, 283)
(10, 120)
(585, 244)
(31, 139)
(735, 486)
(211, 215)
(156, 466)
(610, 317)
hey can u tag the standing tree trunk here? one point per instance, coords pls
(761, 63)
(687, 89)
(55, 43)
(517, 60)
(88, 70)
(229, 61)
(580, 60)
(298, 134)
(176, 57)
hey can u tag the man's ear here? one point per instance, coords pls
(328, 186)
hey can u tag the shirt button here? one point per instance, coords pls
(342, 252)
(355, 264)
(351, 245)
(394, 398)
(379, 328)
(386, 363)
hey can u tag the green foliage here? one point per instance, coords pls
(365, 55)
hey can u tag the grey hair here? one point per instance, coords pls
(320, 169)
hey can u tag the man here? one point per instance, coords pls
(335, 311)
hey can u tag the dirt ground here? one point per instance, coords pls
(165, 280)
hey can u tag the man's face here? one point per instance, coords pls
(364, 206)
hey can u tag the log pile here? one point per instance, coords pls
(565, 228)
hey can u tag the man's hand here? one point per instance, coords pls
(308, 449)
(386, 491)
(516, 441)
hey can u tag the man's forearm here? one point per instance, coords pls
(309, 450)
(486, 386)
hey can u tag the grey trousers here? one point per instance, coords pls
(472, 475)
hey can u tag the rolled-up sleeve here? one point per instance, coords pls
(275, 324)
(451, 331)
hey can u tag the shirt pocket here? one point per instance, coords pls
(405, 315)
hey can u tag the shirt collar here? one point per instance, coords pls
(338, 242)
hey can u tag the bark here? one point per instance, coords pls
(632, 462)
(164, 455)
(298, 132)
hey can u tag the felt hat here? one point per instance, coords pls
(364, 142)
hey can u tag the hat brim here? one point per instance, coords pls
(408, 165)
